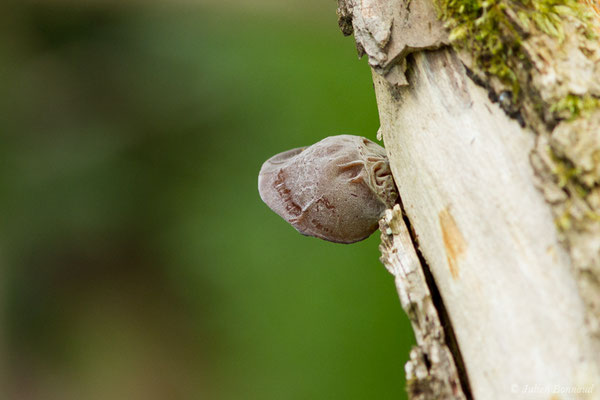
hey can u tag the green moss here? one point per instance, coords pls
(483, 28)
(575, 105)
(493, 32)
(568, 176)
(564, 221)
(565, 173)
(567, 220)
(478, 26)
(593, 216)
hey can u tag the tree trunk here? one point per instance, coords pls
(494, 144)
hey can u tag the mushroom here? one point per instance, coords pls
(336, 189)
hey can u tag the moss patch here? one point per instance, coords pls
(572, 106)
(493, 32)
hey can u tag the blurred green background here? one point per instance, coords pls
(138, 261)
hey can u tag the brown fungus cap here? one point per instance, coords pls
(336, 189)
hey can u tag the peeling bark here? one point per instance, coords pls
(432, 370)
(387, 32)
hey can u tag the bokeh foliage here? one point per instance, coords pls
(138, 259)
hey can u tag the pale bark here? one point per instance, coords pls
(463, 173)
(521, 296)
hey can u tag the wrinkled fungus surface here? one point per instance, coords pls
(336, 189)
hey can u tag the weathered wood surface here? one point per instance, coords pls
(463, 172)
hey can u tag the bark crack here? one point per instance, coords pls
(438, 303)
(435, 369)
